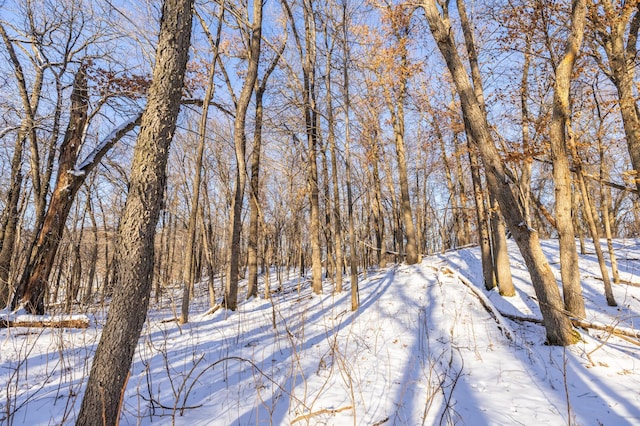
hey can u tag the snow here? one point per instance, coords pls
(108, 140)
(422, 349)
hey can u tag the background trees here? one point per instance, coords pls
(362, 140)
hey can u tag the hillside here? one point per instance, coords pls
(422, 349)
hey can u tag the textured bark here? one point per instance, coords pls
(559, 330)
(591, 217)
(254, 223)
(353, 250)
(463, 211)
(8, 226)
(110, 368)
(396, 109)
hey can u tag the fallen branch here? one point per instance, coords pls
(625, 282)
(617, 331)
(212, 310)
(323, 411)
(34, 322)
(485, 302)
(498, 315)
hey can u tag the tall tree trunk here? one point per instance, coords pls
(353, 246)
(254, 223)
(502, 269)
(188, 267)
(558, 327)
(592, 217)
(410, 247)
(10, 223)
(484, 238)
(457, 226)
(254, 216)
(569, 271)
(465, 234)
(111, 363)
(93, 254)
(378, 212)
(27, 130)
(31, 289)
(33, 282)
(239, 139)
(337, 220)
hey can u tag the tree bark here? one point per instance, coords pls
(337, 220)
(569, 271)
(501, 266)
(254, 184)
(353, 246)
(109, 371)
(484, 238)
(239, 139)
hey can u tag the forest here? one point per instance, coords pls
(192, 157)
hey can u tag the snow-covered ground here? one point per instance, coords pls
(422, 349)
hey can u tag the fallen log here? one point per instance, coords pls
(45, 322)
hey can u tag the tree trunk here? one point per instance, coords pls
(558, 327)
(254, 216)
(411, 249)
(9, 224)
(111, 363)
(353, 246)
(463, 211)
(239, 139)
(188, 267)
(502, 267)
(605, 201)
(336, 223)
(591, 216)
(569, 271)
(254, 223)
(31, 289)
(484, 239)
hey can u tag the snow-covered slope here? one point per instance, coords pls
(423, 348)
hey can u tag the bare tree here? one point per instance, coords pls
(114, 354)
(613, 21)
(254, 39)
(557, 324)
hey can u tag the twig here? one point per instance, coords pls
(323, 411)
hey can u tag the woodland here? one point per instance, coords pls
(155, 148)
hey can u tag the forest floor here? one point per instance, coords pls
(428, 345)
